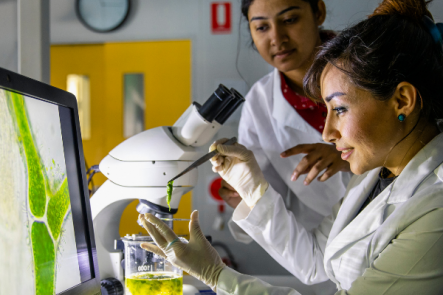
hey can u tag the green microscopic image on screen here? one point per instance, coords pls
(37, 244)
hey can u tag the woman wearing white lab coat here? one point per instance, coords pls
(270, 125)
(384, 103)
(394, 246)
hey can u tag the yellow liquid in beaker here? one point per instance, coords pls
(166, 283)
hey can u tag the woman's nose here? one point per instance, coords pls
(330, 132)
(278, 36)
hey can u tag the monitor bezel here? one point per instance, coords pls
(26, 86)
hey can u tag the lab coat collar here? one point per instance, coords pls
(439, 172)
(353, 200)
(283, 112)
(428, 159)
(350, 228)
(353, 236)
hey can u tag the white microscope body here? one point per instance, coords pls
(141, 166)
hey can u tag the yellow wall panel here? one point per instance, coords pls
(166, 66)
(167, 69)
(85, 60)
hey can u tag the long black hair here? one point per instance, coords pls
(392, 46)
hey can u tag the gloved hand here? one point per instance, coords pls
(198, 257)
(238, 167)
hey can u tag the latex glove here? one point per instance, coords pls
(237, 165)
(320, 156)
(198, 257)
(229, 194)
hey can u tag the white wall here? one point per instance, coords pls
(214, 61)
(342, 13)
(213, 55)
(24, 37)
(8, 35)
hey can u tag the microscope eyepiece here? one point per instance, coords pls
(216, 103)
(233, 104)
(237, 95)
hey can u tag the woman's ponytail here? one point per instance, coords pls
(414, 10)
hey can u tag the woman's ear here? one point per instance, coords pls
(406, 99)
(321, 13)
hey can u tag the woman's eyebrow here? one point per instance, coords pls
(288, 9)
(335, 94)
(280, 13)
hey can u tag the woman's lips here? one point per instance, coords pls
(284, 54)
(345, 154)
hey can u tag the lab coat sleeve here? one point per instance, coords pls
(231, 282)
(276, 230)
(411, 264)
(248, 137)
(238, 233)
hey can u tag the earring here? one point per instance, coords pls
(401, 117)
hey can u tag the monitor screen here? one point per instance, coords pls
(46, 235)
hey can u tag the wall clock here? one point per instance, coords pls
(103, 15)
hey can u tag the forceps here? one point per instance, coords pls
(204, 159)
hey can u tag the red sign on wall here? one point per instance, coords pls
(221, 17)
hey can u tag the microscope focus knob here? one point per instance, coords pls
(111, 286)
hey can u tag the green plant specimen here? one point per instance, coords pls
(42, 199)
(44, 258)
(57, 207)
(169, 193)
(36, 184)
(154, 284)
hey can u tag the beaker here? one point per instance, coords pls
(148, 273)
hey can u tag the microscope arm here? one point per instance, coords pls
(141, 166)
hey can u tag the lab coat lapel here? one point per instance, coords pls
(353, 201)
(347, 255)
(283, 112)
(349, 229)
(425, 162)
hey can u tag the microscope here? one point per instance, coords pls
(141, 166)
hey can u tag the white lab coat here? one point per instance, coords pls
(345, 247)
(269, 125)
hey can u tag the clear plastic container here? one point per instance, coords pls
(148, 273)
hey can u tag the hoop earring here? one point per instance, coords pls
(401, 117)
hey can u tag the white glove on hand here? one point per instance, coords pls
(238, 167)
(198, 257)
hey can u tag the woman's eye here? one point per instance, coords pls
(261, 28)
(339, 110)
(291, 20)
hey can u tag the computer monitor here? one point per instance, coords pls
(46, 237)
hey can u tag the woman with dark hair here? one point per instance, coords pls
(380, 80)
(277, 116)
